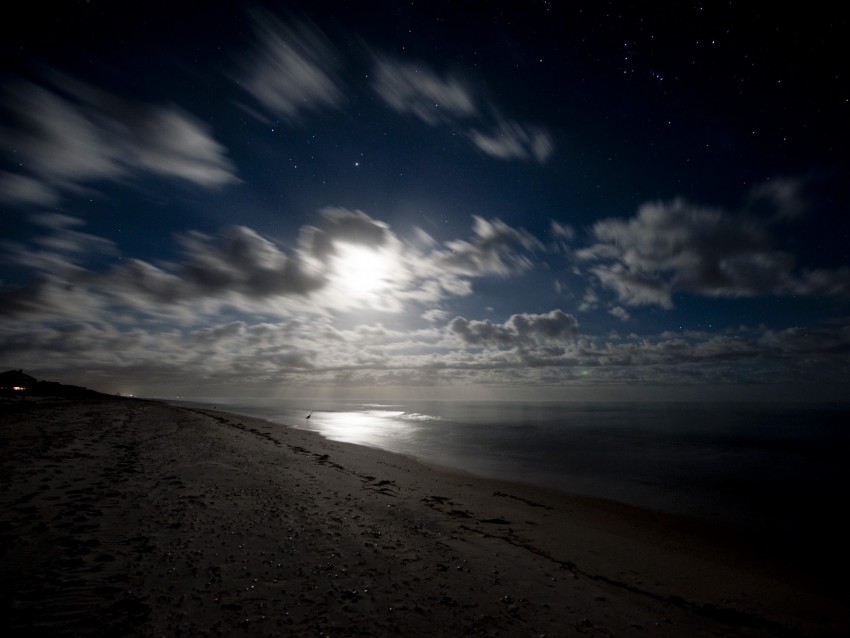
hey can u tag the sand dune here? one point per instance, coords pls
(124, 517)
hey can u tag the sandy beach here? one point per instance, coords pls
(132, 518)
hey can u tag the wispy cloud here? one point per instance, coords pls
(511, 140)
(291, 70)
(417, 90)
(495, 248)
(69, 136)
(447, 100)
(20, 189)
(295, 69)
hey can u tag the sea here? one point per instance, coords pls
(781, 471)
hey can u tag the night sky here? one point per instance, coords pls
(540, 200)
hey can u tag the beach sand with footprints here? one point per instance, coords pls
(135, 518)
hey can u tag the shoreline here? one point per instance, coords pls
(766, 533)
(158, 519)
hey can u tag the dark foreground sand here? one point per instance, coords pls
(123, 517)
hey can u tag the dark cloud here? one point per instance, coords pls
(60, 296)
(237, 262)
(781, 198)
(342, 225)
(237, 267)
(242, 261)
(670, 247)
(139, 284)
(518, 331)
(797, 341)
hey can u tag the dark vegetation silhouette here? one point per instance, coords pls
(15, 383)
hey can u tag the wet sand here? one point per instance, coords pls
(135, 518)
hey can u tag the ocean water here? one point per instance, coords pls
(777, 470)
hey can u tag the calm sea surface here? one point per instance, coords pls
(777, 469)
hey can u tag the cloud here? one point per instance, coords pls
(241, 270)
(63, 239)
(239, 267)
(416, 89)
(783, 197)
(294, 69)
(171, 143)
(561, 231)
(676, 247)
(527, 349)
(590, 301)
(243, 262)
(20, 189)
(434, 315)
(291, 69)
(342, 225)
(518, 331)
(621, 313)
(495, 249)
(61, 252)
(511, 140)
(72, 135)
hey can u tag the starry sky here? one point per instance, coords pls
(536, 199)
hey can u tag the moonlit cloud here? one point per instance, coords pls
(305, 197)
(245, 271)
(539, 349)
(292, 69)
(124, 317)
